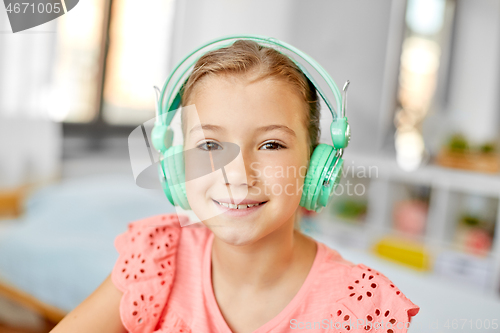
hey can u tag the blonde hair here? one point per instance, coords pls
(244, 56)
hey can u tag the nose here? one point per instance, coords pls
(239, 171)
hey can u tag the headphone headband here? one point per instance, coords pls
(173, 97)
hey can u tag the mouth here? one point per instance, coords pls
(238, 207)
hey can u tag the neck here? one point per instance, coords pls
(262, 264)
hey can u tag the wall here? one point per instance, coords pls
(199, 21)
(348, 38)
(30, 144)
(474, 84)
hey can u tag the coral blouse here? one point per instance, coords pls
(164, 272)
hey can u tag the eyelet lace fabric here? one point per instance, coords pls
(360, 300)
(372, 304)
(145, 271)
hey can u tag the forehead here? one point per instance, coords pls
(244, 100)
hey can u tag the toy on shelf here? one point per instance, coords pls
(404, 243)
(403, 251)
(474, 235)
(459, 154)
(410, 216)
(349, 210)
(475, 224)
(410, 208)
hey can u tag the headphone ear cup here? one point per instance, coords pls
(326, 193)
(181, 176)
(315, 174)
(163, 174)
(316, 204)
(175, 164)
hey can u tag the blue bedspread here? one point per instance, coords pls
(63, 246)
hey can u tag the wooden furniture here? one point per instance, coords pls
(474, 161)
(50, 313)
(11, 202)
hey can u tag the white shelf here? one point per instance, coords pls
(445, 184)
(431, 175)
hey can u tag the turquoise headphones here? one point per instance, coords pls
(326, 163)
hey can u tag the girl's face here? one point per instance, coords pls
(265, 119)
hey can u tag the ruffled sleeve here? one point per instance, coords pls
(145, 269)
(372, 303)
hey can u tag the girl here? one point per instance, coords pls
(247, 269)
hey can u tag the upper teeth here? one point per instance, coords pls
(228, 205)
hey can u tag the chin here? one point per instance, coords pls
(235, 240)
(232, 233)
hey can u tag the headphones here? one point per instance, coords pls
(326, 163)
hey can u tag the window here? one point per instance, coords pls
(422, 74)
(109, 55)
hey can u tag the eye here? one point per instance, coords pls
(273, 145)
(209, 146)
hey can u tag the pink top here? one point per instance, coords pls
(164, 271)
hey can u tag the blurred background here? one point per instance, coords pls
(419, 200)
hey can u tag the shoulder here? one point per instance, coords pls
(333, 266)
(141, 232)
(152, 243)
(146, 265)
(362, 293)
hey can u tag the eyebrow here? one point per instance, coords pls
(283, 128)
(207, 127)
(215, 128)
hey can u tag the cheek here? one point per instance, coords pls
(285, 178)
(196, 193)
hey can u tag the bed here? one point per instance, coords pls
(62, 248)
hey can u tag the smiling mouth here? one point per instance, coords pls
(232, 206)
